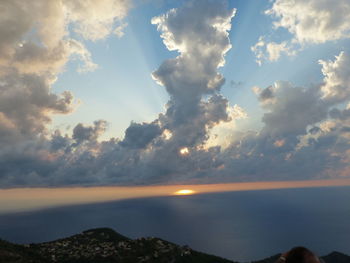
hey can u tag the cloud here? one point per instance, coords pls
(266, 95)
(35, 38)
(270, 51)
(308, 22)
(78, 50)
(26, 102)
(298, 117)
(138, 136)
(119, 31)
(199, 31)
(149, 152)
(313, 21)
(82, 133)
(294, 108)
(336, 73)
(304, 133)
(96, 19)
(35, 46)
(223, 133)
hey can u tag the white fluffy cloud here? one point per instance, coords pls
(35, 45)
(201, 36)
(270, 51)
(35, 37)
(96, 19)
(336, 73)
(308, 22)
(313, 21)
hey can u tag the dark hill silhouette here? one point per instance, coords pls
(104, 245)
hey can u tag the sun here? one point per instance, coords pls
(184, 192)
(184, 151)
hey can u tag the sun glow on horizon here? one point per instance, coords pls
(29, 199)
(185, 192)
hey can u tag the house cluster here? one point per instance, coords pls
(73, 249)
(90, 246)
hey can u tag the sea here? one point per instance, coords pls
(241, 226)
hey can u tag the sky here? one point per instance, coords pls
(163, 92)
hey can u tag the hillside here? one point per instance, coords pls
(104, 245)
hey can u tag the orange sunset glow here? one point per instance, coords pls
(26, 199)
(185, 192)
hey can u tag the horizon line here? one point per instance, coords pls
(36, 198)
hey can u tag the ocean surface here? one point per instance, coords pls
(241, 226)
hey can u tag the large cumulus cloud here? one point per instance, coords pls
(305, 133)
(150, 152)
(199, 32)
(35, 45)
(314, 21)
